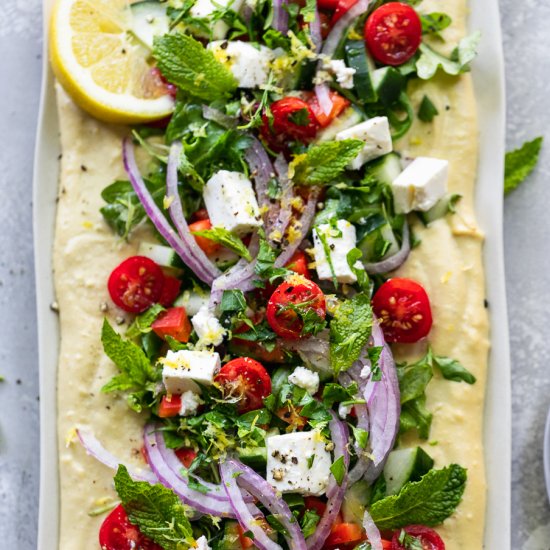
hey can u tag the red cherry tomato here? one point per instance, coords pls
(393, 33)
(339, 103)
(170, 291)
(170, 406)
(404, 311)
(186, 456)
(318, 506)
(327, 4)
(173, 322)
(342, 7)
(200, 214)
(292, 119)
(282, 316)
(136, 284)
(208, 246)
(247, 379)
(428, 538)
(298, 263)
(117, 533)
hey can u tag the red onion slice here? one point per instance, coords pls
(280, 16)
(279, 218)
(315, 30)
(261, 170)
(158, 218)
(235, 474)
(393, 262)
(322, 91)
(372, 532)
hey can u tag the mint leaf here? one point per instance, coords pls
(451, 369)
(434, 23)
(309, 522)
(323, 163)
(233, 301)
(429, 501)
(156, 510)
(224, 237)
(350, 331)
(520, 163)
(185, 62)
(265, 268)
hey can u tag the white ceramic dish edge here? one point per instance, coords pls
(488, 72)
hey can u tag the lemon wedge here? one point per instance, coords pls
(102, 66)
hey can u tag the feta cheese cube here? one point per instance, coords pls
(202, 9)
(305, 379)
(208, 328)
(375, 132)
(340, 240)
(420, 185)
(231, 202)
(202, 543)
(249, 64)
(298, 463)
(190, 402)
(182, 369)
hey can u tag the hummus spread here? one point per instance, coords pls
(448, 263)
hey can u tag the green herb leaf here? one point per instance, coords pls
(233, 301)
(520, 163)
(323, 163)
(156, 510)
(453, 370)
(308, 11)
(427, 110)
(309, 522)
(429, 501)
(350, 330)
(338, 470)
(265, 260)
(361, 436)
(335, 393)
(224, 237)
(434, 23)
(185, 62)
(142, 323)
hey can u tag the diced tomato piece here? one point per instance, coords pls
(298, 263)
(186, 456)
(207, 245)
(173, 322)
(339, 104)
(170, 291)
(200, 214)
(170, 406)
(245, 542)
(344, 534)
(341, 8)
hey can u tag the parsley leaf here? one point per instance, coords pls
(451, 369)
(338, 470)
(350, 330)
(224, 237)
(429, 501)
(323, 163)
(427, 110)
(520, 163)
(185, 62)
(156, 510)
(265, 260)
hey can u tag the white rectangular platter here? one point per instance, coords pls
(488, 75)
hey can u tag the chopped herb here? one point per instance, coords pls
(427, 110)
(224, 237)
(520, 163)
(338, 470)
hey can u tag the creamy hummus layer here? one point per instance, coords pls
(448, 263)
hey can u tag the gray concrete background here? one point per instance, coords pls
(527, 236)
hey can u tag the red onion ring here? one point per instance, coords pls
(157, 217)
(235, 474)
(393, 262)
(261, 170)
(372, 532)
(280, 16)
(95, 449)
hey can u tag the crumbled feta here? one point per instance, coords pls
(342, 73)
(203, 9)
(208, 328)
(305, 379)
(375, 132)
(183, 369)
(190, 402)
(344, 410)
(339, 240)
(249, 64)
(231, 202)
(298, 463)
(202, 543)
(420, 185)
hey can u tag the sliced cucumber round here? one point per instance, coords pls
(405, 465)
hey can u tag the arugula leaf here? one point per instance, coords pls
(520, 163)
(338, 470)
(429, 501)
(156, 510)
(434, 23)
(323, 163)
(224, 237)
(427, 110)
(185, 62)
(430, 61)
(350, 330)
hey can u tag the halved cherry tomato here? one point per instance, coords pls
(393, 33)
(341, 8)
(170, 406)
(170, 291)
(298, 263)
(327, 4)
(319, 506)
(427, 537)
(246, 379)
(291, 415)
(339, 103)
(173, 322)
(290, 302)
(186, 456)
(403, 308)
(136, 284)
(117, 533)
(292, 119)
(344, 534)
(208, 246)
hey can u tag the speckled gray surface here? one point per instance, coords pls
(527, 227)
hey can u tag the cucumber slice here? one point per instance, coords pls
(255, 457)
(405, 465)
(379, 243)
(149, 19)
(231, 536)
(192, 301)
(358, 59)
(350, 117)
(388, 84)
(160, 254)
(386, 168)
(356, 499)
